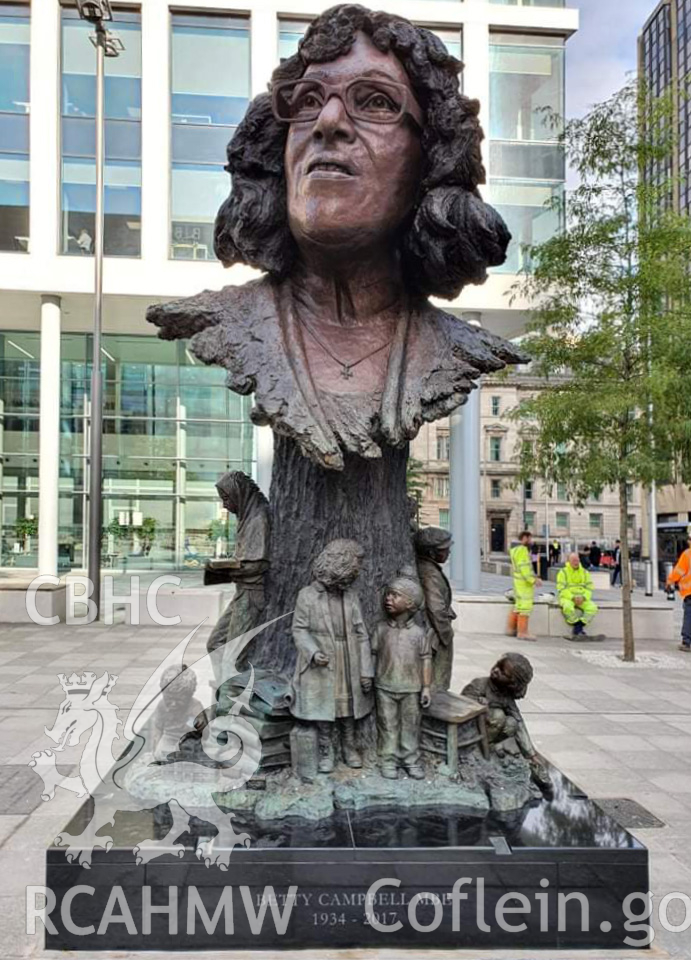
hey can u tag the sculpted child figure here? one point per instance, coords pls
(332, 684)
(403, 674)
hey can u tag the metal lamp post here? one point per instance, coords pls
(96, 12)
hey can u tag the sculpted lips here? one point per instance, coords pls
(330, 167)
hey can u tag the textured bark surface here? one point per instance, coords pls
(366, 502)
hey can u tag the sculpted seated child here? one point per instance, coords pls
(508, 735)
(402, 651)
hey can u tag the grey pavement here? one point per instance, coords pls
(617, 731)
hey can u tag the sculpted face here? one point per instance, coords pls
(351, 182)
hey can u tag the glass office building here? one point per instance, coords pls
(173, 98)
(14, 127)
(527, 162)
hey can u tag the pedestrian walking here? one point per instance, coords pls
(594, 555)
(681, 575)
(616, 573)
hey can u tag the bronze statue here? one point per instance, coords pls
(403, 674)
(355, 189)
(332, 684)
(432, 546)
(241, 495)
(178, 714)
(507, 732)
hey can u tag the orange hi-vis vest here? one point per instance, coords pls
(682, 574)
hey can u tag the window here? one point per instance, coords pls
(496, 406)
(529, 520)
(631, 521)
(441, 488)
(14, 127)
(442, 446)
(562, 521)
(630, 492)
(453, 41)
(290, 32)
(123, 108)
(495, 489)
(561, 491)
(526, 158)
(530, 3)
(444, 519)
(170, 429)
(210, 63)
(495, 449)
(595, 522)
(528, 490)
(596, 497)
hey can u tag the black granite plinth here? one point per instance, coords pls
(541, 854)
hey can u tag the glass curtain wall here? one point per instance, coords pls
(123, 110)
(14, 127)
(210, 91)
(527, 164)
(19, 411)
(171, 428)
(290, 32)
(531, 3)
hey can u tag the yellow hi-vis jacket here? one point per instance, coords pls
(524, 578)
(574, 583)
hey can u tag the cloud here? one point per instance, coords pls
(603, 54)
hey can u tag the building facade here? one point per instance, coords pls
(508, 505)
(173, 97)
(664, 60)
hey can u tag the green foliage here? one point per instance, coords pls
(610, 324)
(26, 527)
(217, 528)
(415, 479)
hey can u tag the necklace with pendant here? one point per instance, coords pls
(346, 368)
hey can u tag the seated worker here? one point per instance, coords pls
(575, 589)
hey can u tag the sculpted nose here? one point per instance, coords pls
(333, 123)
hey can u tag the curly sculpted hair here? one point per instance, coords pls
(452, 236)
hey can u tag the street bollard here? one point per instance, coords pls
(648, 566)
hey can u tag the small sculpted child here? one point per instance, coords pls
(402, 677)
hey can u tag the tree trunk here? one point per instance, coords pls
(626, 585)
(366, 502)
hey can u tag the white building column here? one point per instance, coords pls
(264, 438)
(264, 47)
(44, 162)
(155, 131)
(464, 476)
(49, 436)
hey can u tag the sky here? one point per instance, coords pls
(603, 52)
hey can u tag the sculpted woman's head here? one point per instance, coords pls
(374, 147)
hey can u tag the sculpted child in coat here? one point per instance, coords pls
(332, 684)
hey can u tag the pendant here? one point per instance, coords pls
(346, 372)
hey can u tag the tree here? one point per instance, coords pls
(610, 326)
(415, 483)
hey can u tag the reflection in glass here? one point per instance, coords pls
(524, 82)
(524, 205)
(171, 428)
(122, 138)
(210, 86)
(527, 160)
(14, 127)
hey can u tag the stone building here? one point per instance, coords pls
(507, 505)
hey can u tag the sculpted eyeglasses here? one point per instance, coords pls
(366, 99)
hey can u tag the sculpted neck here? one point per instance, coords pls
(349, 294)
